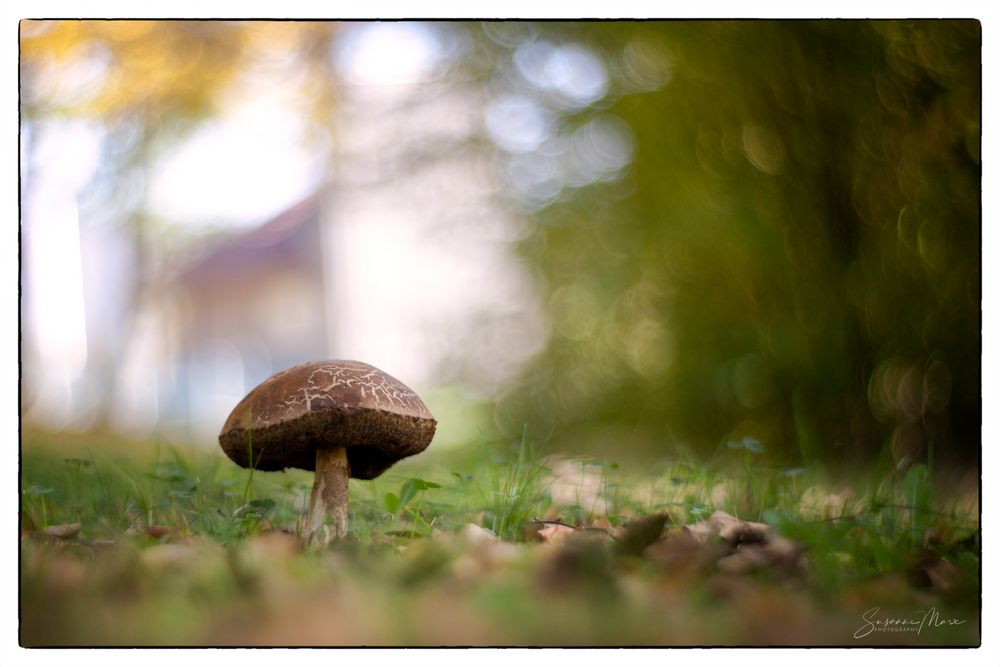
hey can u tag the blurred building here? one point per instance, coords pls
(252, 304)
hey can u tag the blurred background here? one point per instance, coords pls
(622, 239)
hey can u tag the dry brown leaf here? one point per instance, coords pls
(746, 532)
(64, 531)
(683, 552)
(756, 549)
(601, 523)
(733, 546)
(639, 534)
(156, 531)
(710, 528)
(553, 533)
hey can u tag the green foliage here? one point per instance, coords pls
(394, 504)
(793, 253)
(218, 578)
(111, 493)
(391, 503)
(514, 492)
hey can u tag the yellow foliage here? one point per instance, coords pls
(159, 68)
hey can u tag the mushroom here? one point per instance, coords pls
(340, 418)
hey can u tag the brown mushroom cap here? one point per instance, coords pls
(323, 405)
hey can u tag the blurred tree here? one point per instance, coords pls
(793, 253)
(149, 84)
(762, 228)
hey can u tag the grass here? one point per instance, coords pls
(515, 493)
(182, 547)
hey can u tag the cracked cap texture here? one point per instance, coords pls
(327, 404)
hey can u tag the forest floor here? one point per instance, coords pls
(147, 544)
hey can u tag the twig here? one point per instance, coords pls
(559, 522)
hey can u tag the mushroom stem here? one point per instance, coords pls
(329, 497)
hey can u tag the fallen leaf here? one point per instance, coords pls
(745, 532)
(682, 552)
(156, 531)
(711, 527)
(64, 531)
(734, 546)
(601, 523)
(639, 534)
(554, 533)
(550, 532)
